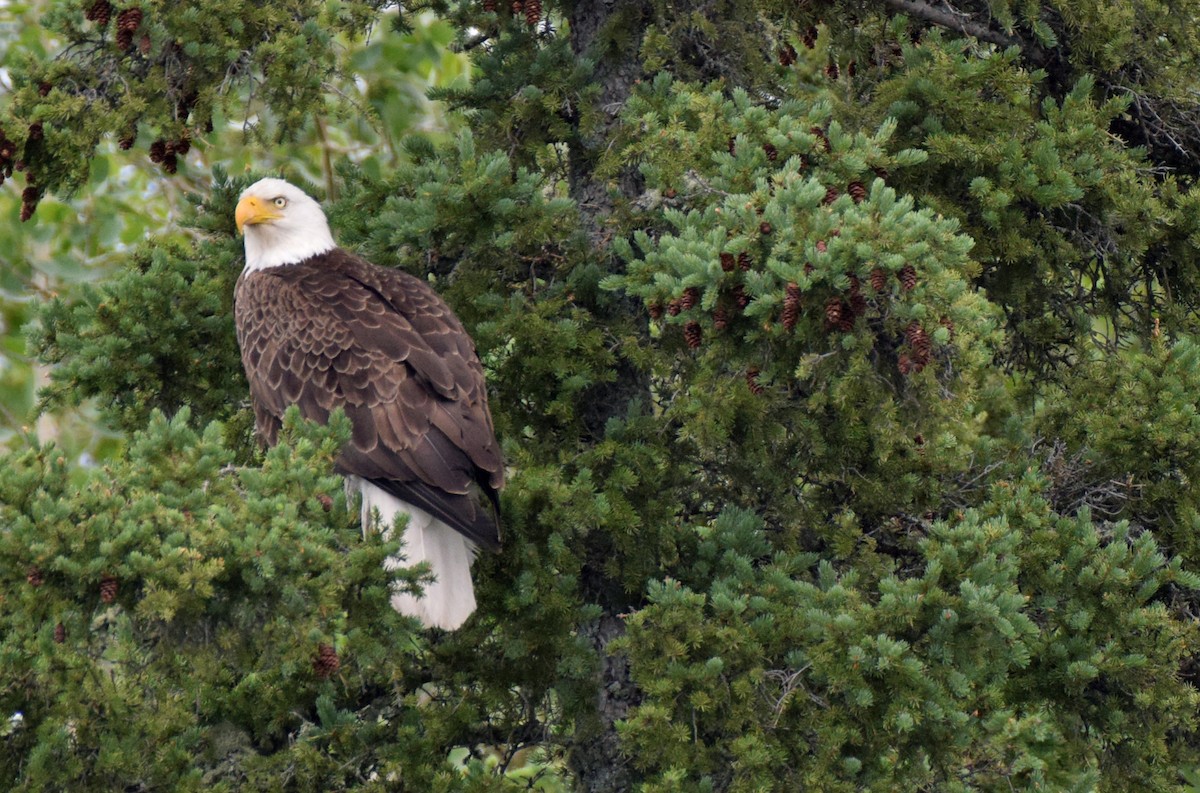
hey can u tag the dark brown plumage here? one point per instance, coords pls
(336, 331)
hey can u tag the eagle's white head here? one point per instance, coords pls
(282, 224)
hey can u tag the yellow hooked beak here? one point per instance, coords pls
(252, 210)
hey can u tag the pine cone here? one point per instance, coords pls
(489, 6)
(44, 88)
(908, 277)
(720, 318)
(919, 341)
(821, 246)
(158, 150)
(880, 171)
(183, 145)
(144, 44)
(655, 309)
(948, 324)
(108, 589)
(858, 302)
(34, 577)
(771, 151)
(752, 381)
(857, 191)
(764, 228)
(126, 143)
(833, 313)
(739, 294)
(692, 334)
(831, 70)
(673, 308)
(744, 260)
(727, 262)
(787, 55)
(128, 21)
(822, 137)
(325, 501)
(852, 68)
(517, 7)
(36, 131)
(810, 37)
(732, 145)
(326, 661)
(879, 279)
(791, 306)
(170, 163)
(831, 195)
(533, 12)
(60, 633)
(99, 12)
(689, 298)
(29, 201)
(904, 364)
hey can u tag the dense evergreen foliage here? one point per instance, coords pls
(843, 356)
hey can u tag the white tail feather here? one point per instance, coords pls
(450, 598)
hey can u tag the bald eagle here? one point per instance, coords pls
(321, 328)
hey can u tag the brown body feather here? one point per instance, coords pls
(336, 331)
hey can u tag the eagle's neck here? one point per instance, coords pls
(267, 246)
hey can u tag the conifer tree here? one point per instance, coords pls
(843, 359)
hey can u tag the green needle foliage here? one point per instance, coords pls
(844, 362)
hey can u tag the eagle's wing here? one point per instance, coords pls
(385, 347)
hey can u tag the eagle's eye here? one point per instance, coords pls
(281, 202)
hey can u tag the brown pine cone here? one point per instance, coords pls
(720, 318)
(158, 150)
(919, 341)
(60, 633)
(833, 313)
(739, 294)
(29, 201)
(673, 307)
(948, 324)
(787, 55)
(772, 152)
(326, 661)
(857, 191)
(879, 279)
(692, 334)
(533, 12)
(810, 37)
(752, 381)
(831, 195)
(170, 163)
(325, 501)
(99, 12)
(908, 277)
(744, 260)
(126, 143)
(517, 7)
(34, 577)
(791, 306)
(821, 136)
(128, 21)
(858, 302)
(821, 246)
(489, 6)
(880, 171)
(183, 145)
(655, 309)
(831, 70)
(689, 298)
(732, 145)
(728, 262)
(44, 88)
(108, 589)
